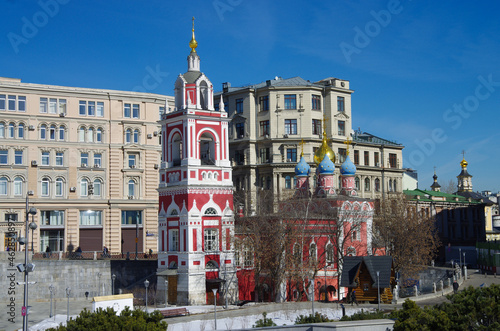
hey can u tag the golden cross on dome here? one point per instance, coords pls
(348, 142)
(302, 147)
(463, 153)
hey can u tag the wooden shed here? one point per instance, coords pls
(359, 273)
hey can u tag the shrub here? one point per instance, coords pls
(264, 322)
(108, 320)
(363, 316)
(316, 318)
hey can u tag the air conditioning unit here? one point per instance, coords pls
(34, 163)
(72, 189)
(285, 136)
(155, 133)
(31, 193)
(150, 136)
(84, 165)
(97, 165)
(31, 128)
(156, 166)
(62, 115)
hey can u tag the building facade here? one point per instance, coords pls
(87, 159)
(270, 121)
(196, 220)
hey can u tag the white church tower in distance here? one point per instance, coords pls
(196, 220)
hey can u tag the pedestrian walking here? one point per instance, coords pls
(455, 287)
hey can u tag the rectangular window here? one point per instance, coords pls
(211, 240)
(97, 160)
(62, 106)
(90, 217)
(84, 159)
(91, 108)
(43, 105)
(132, 160)
(18, 157)
(377, 160)
(264, 103)
(12, 102)
(100, 109)
(342, 155)
(21, 103)
(247, 258)
(316, 102)
(340, 104)
(61, 133)
(45, 187)
(82, 108)
(126, 110)
(59, 158)
(316, 126)
(239, 106)
(2, 101)
(174, 240)
(239, 157)
(135, 111)
(291, 126)
(264, 155)
(18, 186)
(52, 106)
(45, 158)
(52, 217)
(291, 155)
(393, 160)
(240, 130)
(290, 101)
(367, 158)
(4, 156)
(356, 157)
(131, 217)
(264, 128)
(341, 128)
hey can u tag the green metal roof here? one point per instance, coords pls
(426, 195)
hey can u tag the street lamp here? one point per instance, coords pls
(464, 259)
(113, 277)
(68, 292)
(215, 306)
(26, 268)
(51, 289)
(146, 285)
(33, 227)
(378, 289)
(460, 256)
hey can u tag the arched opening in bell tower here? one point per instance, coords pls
(176, 149)
(207, 149)
(204, 95)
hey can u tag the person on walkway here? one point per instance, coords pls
(48, 252)
(455, 287)
(353, 299)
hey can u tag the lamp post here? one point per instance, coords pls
(146, 285)
(464, 259)
(51, 289)
(460, 256)
(378, 289)
(215, 306)
(33, 228)
(113, 277)
(99, 290)
(26, 268)
(312, 296)
(68, 292)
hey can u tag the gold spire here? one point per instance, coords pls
(348, 143)
(302, 147)
(463, 163)
(193, 43)
(324, 150)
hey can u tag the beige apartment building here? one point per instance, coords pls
(269, 122)
(87, 160)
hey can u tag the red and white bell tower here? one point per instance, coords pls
(196, 220)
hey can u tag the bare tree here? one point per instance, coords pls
(449, 187)
(407, 234)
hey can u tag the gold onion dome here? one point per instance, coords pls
(324, 150)
(464, 163)
(193, 43)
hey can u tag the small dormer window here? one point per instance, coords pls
(211, 211)
(174, 212)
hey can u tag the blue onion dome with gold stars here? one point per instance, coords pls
(326, 167)
(302, 168)
(348, 168)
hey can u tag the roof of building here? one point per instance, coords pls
(352, 264)
(367, 138)
(426, 195)
(278, 82)
(191, 76)
(476, 196)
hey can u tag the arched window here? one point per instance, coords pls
(207, 148)
(59, 187)
(90, 135)
(296, 252)
(288, 182)
(351, 251)
(211, 265)
(62, 132)
(2, 130)
(377, 185)
(18, 186)
(131, 188)
(356, 182)
(136, 136)
(20, 131)
(312, 251)
(97, 187)
(11, 131)
(3, 185)
(45, 187)
(203, 95)
(81, 134)
(52, 132)
(98, 137)
(84, 186)
(176, 149)
(329, 253)
(394, 185)
(43, 132)
(390, 185)
(367, 184)
(128, 136)
(210, 211)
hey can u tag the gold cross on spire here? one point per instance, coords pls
(325, 119)
(348, 142)
(463, 153)
(302, 147)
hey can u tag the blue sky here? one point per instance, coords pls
(424, 73)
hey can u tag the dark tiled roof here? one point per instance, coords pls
(367, 138)
(464, 173)
(280, 82)
(382, 264)
(191, 76)
(476, 196)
